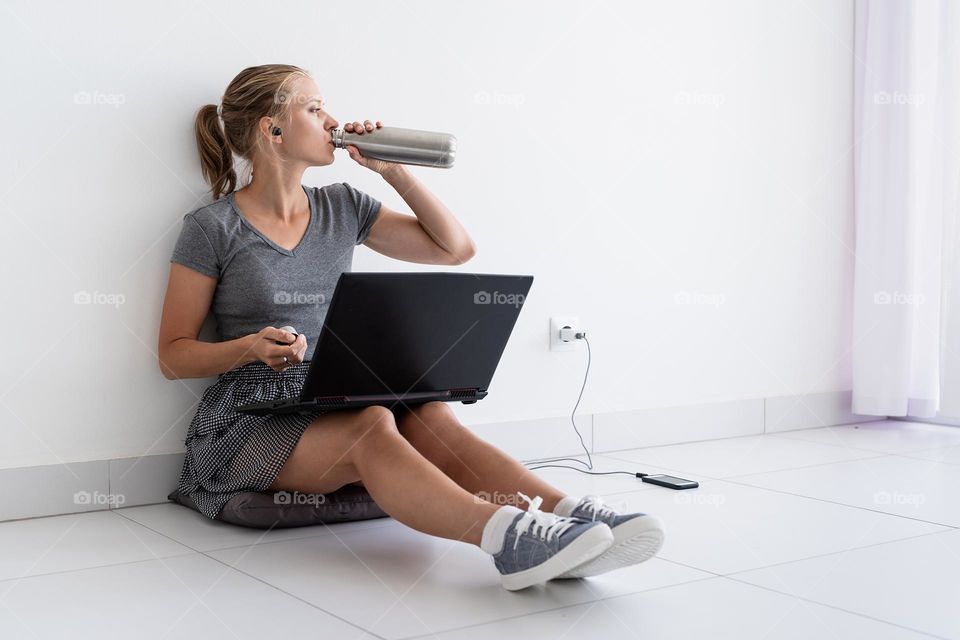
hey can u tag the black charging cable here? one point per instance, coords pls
(589, 463)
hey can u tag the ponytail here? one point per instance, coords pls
(216, 159)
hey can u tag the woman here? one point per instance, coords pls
(269, 254)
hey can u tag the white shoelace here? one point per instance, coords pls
(545, 525)
(595, 505)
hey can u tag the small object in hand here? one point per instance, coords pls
(288, 329)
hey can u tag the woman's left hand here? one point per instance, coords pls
(380, 166)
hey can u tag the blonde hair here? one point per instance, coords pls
(255, 92)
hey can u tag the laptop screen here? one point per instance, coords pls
(394, 333)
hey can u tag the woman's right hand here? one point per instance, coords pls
(266, 349)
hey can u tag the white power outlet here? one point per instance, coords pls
(557, 323)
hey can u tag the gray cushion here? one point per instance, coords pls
(262, 510)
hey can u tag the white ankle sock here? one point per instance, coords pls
(496, 528)
(566, 505)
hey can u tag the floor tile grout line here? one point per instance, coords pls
(940, 446)
(855, 448)
(295, 597)
(830, 606)
(443, 631)
(194, 549)
(57, 515)
(718, 577)
(843, 504)
(727, 478)
(689, 566)
(807, 466)
(562, 607)
(876, 454)
(790, 595)
(272, 586)
(830, 553)
(733, 480)
(190, 550)
(305, 537)
(777, 434)
(386, 524)
(744, 435)
(266, 542)
(108, 565)
(689, 471)
(773, 434)
(947, 529)
(713, 575)
(953, 464)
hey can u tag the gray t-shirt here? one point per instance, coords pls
(259, 283)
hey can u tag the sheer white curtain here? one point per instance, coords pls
(906, 175)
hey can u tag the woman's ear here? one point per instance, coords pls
(268, 128)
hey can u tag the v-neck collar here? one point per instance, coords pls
(283, 250)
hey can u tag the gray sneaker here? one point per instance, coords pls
(539, 546)
(637, 537)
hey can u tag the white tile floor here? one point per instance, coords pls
(842, 532)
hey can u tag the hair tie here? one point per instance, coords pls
(220, 110)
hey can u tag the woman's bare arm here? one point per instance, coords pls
(185, 306)
(432, 236)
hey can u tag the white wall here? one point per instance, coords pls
(630, 153)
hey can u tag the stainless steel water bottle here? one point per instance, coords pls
(405, 146)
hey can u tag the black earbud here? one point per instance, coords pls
(276, 131)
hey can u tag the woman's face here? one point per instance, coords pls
(307, 135)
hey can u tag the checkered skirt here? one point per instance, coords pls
(229, 453)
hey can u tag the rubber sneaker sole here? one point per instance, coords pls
(588, 545)
(635, 540)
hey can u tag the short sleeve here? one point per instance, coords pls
(194, 249)
(367, 208)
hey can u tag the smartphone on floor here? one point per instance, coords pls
(671, 482)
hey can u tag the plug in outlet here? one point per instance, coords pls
(562, 322)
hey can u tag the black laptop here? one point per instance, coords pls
(407, 338)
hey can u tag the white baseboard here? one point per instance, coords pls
(671, 425)
(123, 482)
(788, 413)
(96, 485)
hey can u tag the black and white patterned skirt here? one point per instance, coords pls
(230, 453)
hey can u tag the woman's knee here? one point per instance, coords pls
(435, 419)
(434, 430)
(437, 411)
(373, 421)
(320, 461)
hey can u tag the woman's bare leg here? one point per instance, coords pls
(472, 462)
(364, 445)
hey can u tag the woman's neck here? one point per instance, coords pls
(280, 195)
